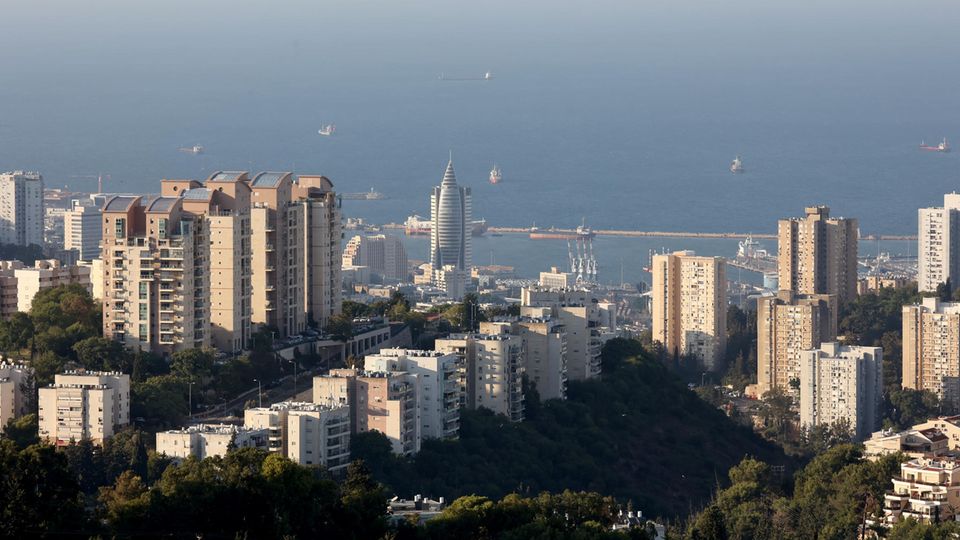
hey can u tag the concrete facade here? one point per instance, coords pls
(21, 208)
(818, 254)
(842, 383)
(931, 348)
(208, 440)
(84, 405)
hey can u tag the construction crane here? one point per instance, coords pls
(98, 176)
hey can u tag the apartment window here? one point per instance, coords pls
(121, 227)
(143, 291)
(162, 228)
(143, 331)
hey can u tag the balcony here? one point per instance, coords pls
(270, 248)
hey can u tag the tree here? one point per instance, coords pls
(161, 401)
(125, 504)
(102, 354)
(340, 326)
(16, 333)
(192, 363)
(364, 501)
(22, 431)
(908, 407)
(40, 495)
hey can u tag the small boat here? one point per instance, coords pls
(736, 167)
(195, 149)
(495, 175)
(327, 130)
(942, 147)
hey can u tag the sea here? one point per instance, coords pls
(613, 113)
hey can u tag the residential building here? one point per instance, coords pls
(452, 280)
(842, 384)
(949, 426)
(818, 254)
(787, 325)
(383, 255)
(938, 239)
(555, 279)
(545, 355)
(223, 204)
(874, 284)
(322, 234)
(914, 443)
(156, 277)
(583, 319)
(438, 387)
(95, 267)
(450, 219)
(21, 208)
(84, 405)
(927, 490)
(378, 401)
(307, 433)
(690, 306)
(46, 274)
(16, 386)
(492, 371)
(82, 230)
(209, 440)
(931, 348)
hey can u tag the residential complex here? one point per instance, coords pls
(21, 208)
(787, 325)
(545, 355)
(927, 489)
(84, 405)
(383, 256)
(19, 283)
(492, 371)
(584, 319)
(208, 440)
(948, 425)
(938, 246)
(931, 348)
(378, 401)
(818, 254)
(16, 387)
(156, 276)
(450, 220)
(321, 238)
(914, 443)
(307, 433)
(842, 384)
(82, 230)
(690, 306)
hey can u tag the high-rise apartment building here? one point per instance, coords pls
(450, 229)
(82, 230)
(787, 325)
(223, 204)
(322, 233)
(208, 440)
(818, 254)
(307, 433)
(438, 387)
(690, 306)
(938, 252)
(492, 368)
(931, 348)
(84, 405)
(839, 383)
(156, 275)
(379, 401)
(21, 208)
(583, 320)
(383, 255)
(16, 385)
(544, 354)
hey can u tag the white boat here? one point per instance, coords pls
(496, 175)
(736, 166)
(195, 149)
(751, 249)
(327, 130)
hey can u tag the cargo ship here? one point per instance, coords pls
(418, 226)
(495, 175)
(736, 167)
(942, 147)
(560, 234)
(364, 196)
(195, 149)
(327, 130)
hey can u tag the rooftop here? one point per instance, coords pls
(269, 179)
(224, 429)
(120, 203)
(227, 176)
(162, 204)
(197, 194)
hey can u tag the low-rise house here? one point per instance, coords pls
(209, 440)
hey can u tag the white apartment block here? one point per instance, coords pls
(927, 490)
(452, 280)
(383, 255)
(82, 230)
(84, 405)
(15, 386)
(690, 305)
(21, 208)
(938, 244)
(208, 440)
(307, 433)
(438, 386)
(46, 274)
(842, 383)
(555, 279)
(493, 371)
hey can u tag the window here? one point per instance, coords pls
(121, 227)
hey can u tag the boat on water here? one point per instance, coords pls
(736, 167)
(416, 225)
(327, 130)
(371, 195)
(496, 175)
(486, 77)
(751, 249)
(942, 147)
(553, 233)
(195, 149)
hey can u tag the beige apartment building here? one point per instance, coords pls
(156, 276)
(223, 203)
(322, 261)
(914, 443)
(16, 382)
(491, 371)
(818, 254)
(584, 319)
(307, 433)
(787, 325)
(948, 425)
(931, 348)
(378, 401)
(927, 490)
(19, 283)
(840, 383)
(544, 350)
(84, 405)
(690, 306)
(208, 440)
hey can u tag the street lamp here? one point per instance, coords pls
(294, 362)
(190, 397)
(702, 375)
(259, 394)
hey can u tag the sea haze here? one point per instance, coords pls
(624, 113)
